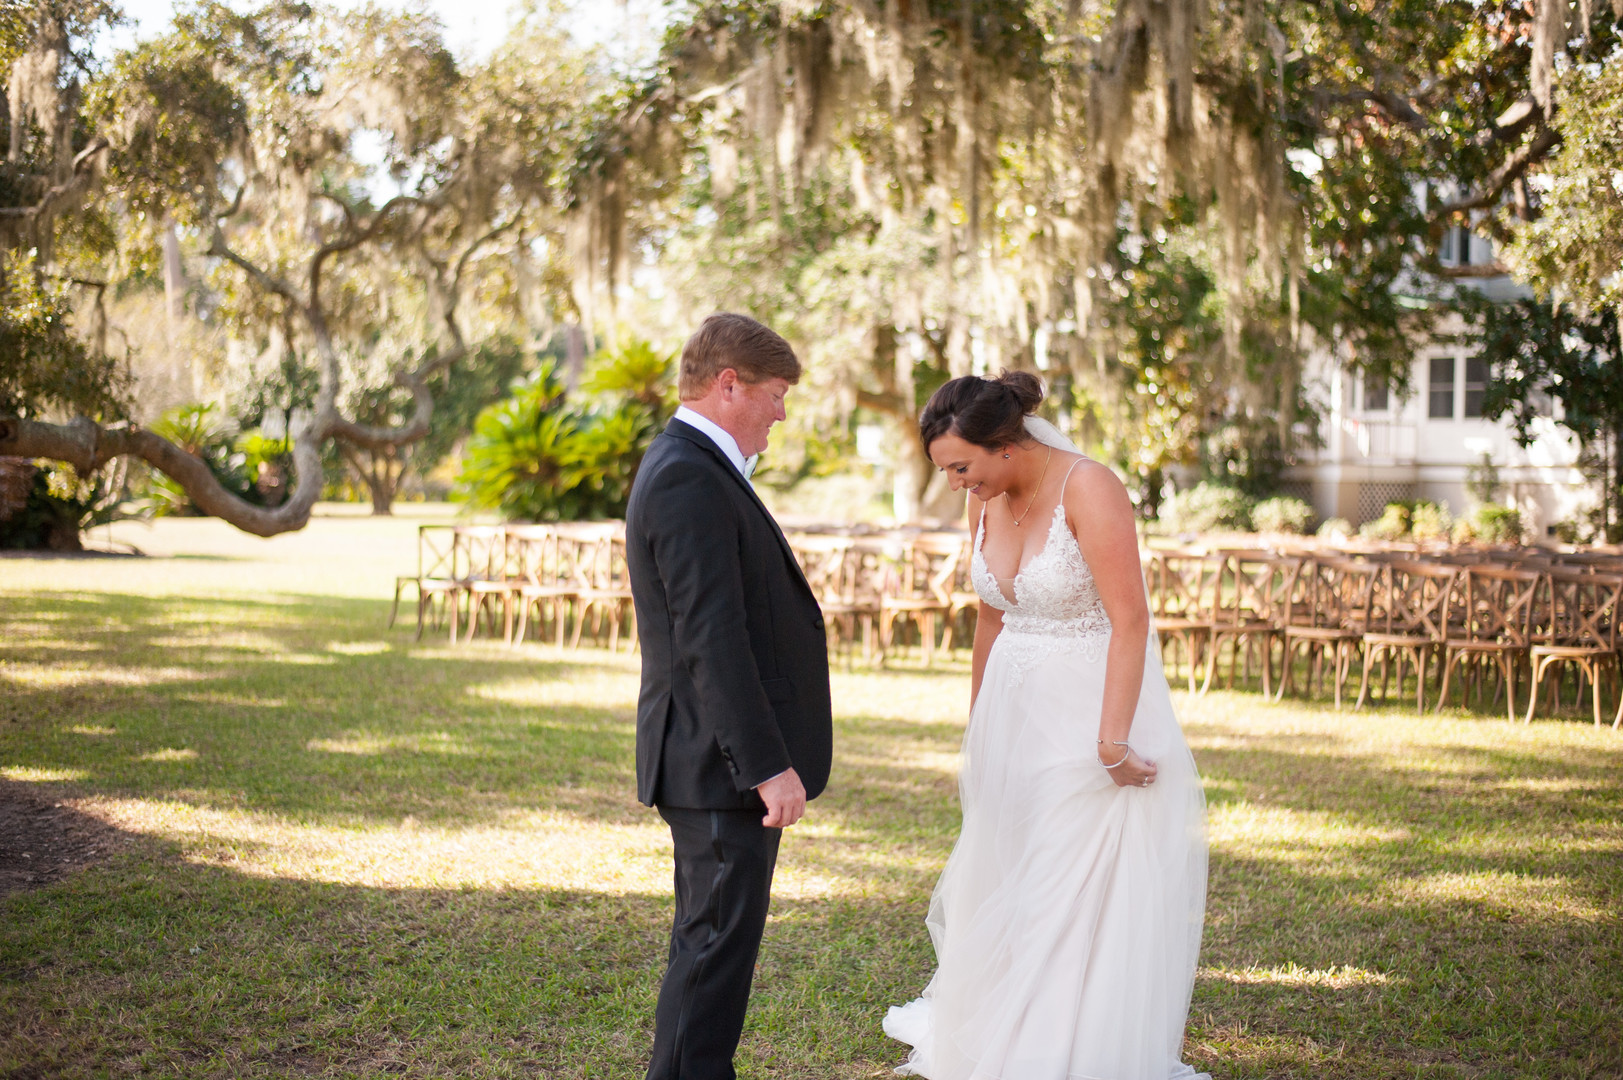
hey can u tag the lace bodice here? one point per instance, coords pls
(1054, 593)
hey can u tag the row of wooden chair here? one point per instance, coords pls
(569, 575)
(1467, 618)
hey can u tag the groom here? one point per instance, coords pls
(734, 730)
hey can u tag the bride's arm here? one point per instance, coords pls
(988, 619)
(1101, 515)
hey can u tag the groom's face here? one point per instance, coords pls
(752, 409)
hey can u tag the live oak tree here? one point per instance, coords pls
(359, 202)
(1166, 205)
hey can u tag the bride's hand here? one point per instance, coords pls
(1134, 771)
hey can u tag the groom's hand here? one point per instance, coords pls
(785, 798)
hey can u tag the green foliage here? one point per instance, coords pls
(60, 505)
(538, 456)
(1491, 523)
(237, 463)
(44, 366)
(1429, 521)
(1334, 529)
(1283, 514)
(1538, 352)
(1409, 519)
(1572, 251)
(1393, 524)
(1206, 507)
(1482, 480)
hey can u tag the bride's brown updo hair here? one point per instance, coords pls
(991, 413)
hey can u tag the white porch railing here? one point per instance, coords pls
(1377, 441)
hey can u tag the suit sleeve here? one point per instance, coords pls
(695, 540)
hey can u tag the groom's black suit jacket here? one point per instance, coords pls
(734, 658)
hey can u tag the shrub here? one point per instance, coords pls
(1498, 524)
(1428, 521)
(1206, 507)
(1393, 524)
(539, 457)
(194, 429)
(1335, 529)
(1282, 514)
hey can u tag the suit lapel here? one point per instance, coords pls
(679, 430)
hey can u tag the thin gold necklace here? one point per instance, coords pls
(1034, 491)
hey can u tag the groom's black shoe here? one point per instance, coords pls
(724, 863)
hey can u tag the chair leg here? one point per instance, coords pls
(1363, 682)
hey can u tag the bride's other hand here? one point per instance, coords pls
(1134, 770)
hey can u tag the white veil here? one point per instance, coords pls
(1049, 435)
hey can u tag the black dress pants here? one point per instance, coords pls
(724, 863)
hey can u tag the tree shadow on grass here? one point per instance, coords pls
(306, 708)
(1460, 915)
(154, 964)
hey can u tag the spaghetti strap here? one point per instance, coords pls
(1079, 460)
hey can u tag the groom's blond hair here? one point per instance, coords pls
(725, 340)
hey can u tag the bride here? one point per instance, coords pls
(1068, 919)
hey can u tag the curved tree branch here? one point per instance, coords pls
(88, 446)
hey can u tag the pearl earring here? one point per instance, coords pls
(1005, 457)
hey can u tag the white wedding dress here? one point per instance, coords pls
(1068, 919)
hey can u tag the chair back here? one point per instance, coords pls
(1496, 605)
(1412, 598)
(1332, 592)
(436, 552)
(1183, 585)
(1583, 610)
(1252, 587)
(481, 553)
(927, 567)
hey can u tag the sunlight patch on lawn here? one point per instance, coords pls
(371, 743)
(56, 676)
(234, 701)
(523, 850)
(170, 754)
(590, 689)
(1497, 893)
(212, 636)
(1247, 830)
(358, 648)
(26, 774)
(92, 729)
(1336, 978)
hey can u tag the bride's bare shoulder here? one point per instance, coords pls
(1093, 490)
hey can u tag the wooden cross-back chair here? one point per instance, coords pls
(546, 585)
(486, 577)
(918, 588)
(1491, 627)
(1183, 588)
(1408, 623)
(1580, 629)
(435, 579)
(841, 573)
(603, 582)
(1248, 598)
(1326, 616)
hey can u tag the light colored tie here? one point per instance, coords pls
(749, 465)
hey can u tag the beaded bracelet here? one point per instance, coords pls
(1124, 757)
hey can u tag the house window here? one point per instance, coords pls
(1476, 385)
(1441, 398)
(1456, 248)
(1376, 396)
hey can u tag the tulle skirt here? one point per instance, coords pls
(1067, 922)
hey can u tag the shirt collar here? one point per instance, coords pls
(718, 435)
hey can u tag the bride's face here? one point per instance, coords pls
(984, 473)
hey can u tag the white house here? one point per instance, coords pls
(1378, 447)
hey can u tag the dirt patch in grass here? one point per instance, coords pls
(42, 839)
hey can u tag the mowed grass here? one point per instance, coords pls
(340, 852)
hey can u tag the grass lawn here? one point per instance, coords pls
(315, 847)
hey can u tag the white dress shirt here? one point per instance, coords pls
(718, 435)
(729, 447)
